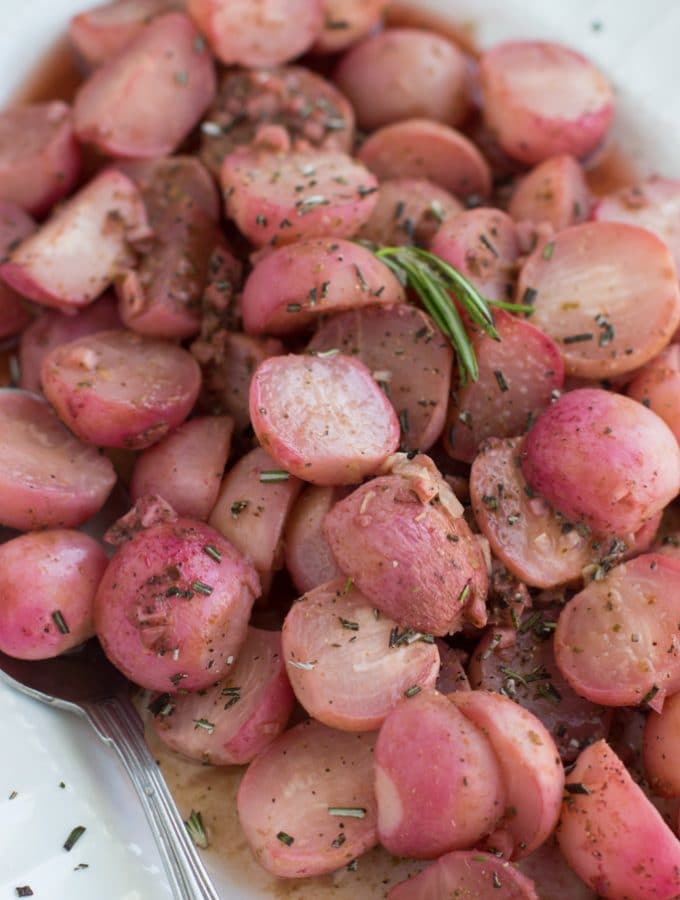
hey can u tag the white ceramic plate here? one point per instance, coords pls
(40, 748)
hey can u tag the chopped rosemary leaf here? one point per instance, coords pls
(500, 378)
(577, 788)
(462, 597)
(339, 841)
(285, 838)
(496, 881)
(529, 297)
(351, 812)
(204, 724)
(237, 507)
(548, 250)
(305, 666)
(60, 622)
(578, 338)
(412, 691)
(194, 825)
(213, 552)
(294, 307)
(403, 421)
(234, 695)
(202, 588)
(349, 584)
(353, 865)
(650, 695)
(24, 891)
(74, 837)
(161, 706)
(13, 795)
(81, 866)
(270, 475)
(350, 626)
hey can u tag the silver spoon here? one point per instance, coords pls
(85, 682)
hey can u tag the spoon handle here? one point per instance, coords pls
(117, 723)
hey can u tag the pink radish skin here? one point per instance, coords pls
(309, 560)
(657, 386)
(245, 711)
(602, 459)
(100, 33)
(48, 478)
(466, 874)
(122, 108)
(408, 211)
(107, 216)
(347, 21)
(15, 225)
(412, 73)
(356, 677)
(324, 420)
(612, 836)
(555, 192)
(258, 32)
(294, 286)
(607, 293)
(408, 356)
(287, 793)
(280, 198)
(618, 641)
(419, 148)
(252, 513)
(119, 389)
(414, 560)
(437, 781)
(160, 638)
(482, 244)
(48, 581)
(530, 766)
(661, 743)
(186, 467)
(40, 157)
(543, 99)
(518, 377)
(52, 328)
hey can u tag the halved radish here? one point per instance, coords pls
(607, 293)
(542, 99)
(555, 192)
(518, 377)
(408, 356)
(602, 459)
(295, 285)
(283, 197)
(618, 641)
(420, 148)
(661, 748)
(437, 779)
(657, 386)
(252, 509)
(346, 21)
(323, 419)
(530, 766)
(612, 836)
(349, 664)
(232, 721)
(467, 873)
(307, 804)
(409, 211)
(308, 557)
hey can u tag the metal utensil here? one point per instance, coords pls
(85, 682)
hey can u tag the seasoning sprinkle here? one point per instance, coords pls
(578, 338)
(350, 626)
(270, 475)
(285, 838)
(351, 812)
(306, 666)
(237, 508)
(24, 891)
(412, 691)
(213, 552)
(577, 788)
(339, 841)
(204, 724)
(548, 251)
(74, 837)
(496, 881)
(500, 378)
(234, 694)
(196, 829)
(60, 622)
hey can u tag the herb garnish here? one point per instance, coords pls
(196, 830)
(60, 622)
(271, 475)
(412, 691)
(74, 837)
(285, 838)
(24, 891)
(204, 724)
(352, 812)
(213, 552)
(234, 694)
(577, 788)
(202, 588)
(237, 507)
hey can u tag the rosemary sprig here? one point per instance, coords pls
(433, 280)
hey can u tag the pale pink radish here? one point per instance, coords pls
(232, 721)
(412, 73)
(617, 642)
(542, 99)
(530, 765)
(309, 560)
(119, 389)
(420, 148)
(280, 198)
(602, 459)
(409, 211)
(172, 609)
(48, 478)
(307, 804)
(349, 665)
(48, 580)
(467, 874)
(323, 419)
(291, 101)
(611, 835)
(414, 558)
(122, 108)
(438, 782)
(607, 293)
(661, 747)
(185, 468)
(347, 21)
(40, 157)
(252, 508)
(108, 217)
(294, 286)
(258, 32)
(482, 244)
(518, 377)
(15, 225)
(53, 328)
(657, 386)
(409, 358)
(653, 204)
(555, 192)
